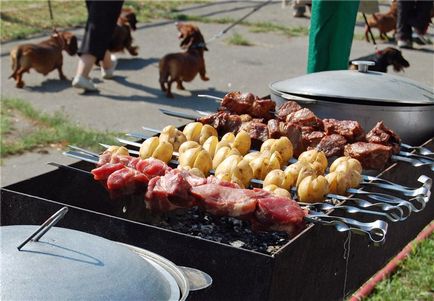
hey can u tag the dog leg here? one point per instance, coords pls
(179, 85)
(163, 86)
(202, 73)
(19, 79)
(133, 50)
(61, 75)
(169, 87)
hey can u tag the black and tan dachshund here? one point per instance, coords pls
(383, 59)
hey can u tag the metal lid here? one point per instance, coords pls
(350, 85)
(71, 265)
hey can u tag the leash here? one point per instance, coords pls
(255, 9)
(370, 33)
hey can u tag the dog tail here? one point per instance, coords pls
(15, 57)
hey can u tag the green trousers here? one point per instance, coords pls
(331, 34)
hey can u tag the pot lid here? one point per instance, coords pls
(350, 85)
(72, 265)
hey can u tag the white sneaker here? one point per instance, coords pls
(81, 82)
(109, 73)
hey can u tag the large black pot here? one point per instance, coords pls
(404, 105)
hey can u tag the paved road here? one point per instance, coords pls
(133, 98)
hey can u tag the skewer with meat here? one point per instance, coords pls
(247, 103)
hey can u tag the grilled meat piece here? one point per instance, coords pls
(223, 121)
(256, 130)
(380, 134)
(305, 117)
(332, 145)
(277, 129)
(311, 138)
(371, 155)
(349, 129)
(247, 103)
(279, 213)
(286, 109)
(169, 192)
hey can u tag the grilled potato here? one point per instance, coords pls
(317, 158)
(338, 182)
(210, 145)
(267, 144)
(228, 137)
(228, 165)
(242, 172)
(242, 142)
(351, 167)
(172, 135)
(284, 147)
(313, 189)
(350, 163)
(188, 157)
(223, 153)
(279, 178)
(262, 165)
(253, 155)
(277, 190)
(192, 131)
(187, 145)
(118, 150)
(148, 147)
(163, 152)
(298, 171)
(203, 162)
(206, 132)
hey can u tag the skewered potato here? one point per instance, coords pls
(354, 176)
(210, 145)
(284, 147)
(206, 132)
(222, 154)
(148, 147)
(351, 162)
(227, 165)
(262, 165)
(279, 178)
(192, 131)
(298, 171)
(313, 189)
(253, 155)
(188, 145)
(338, 182)
(277, 190)
(163, 151)
(317, 158)
(172, 135)
(242, 142)
(242, 172)
(228, 137)
(196, 158)
(267, 144)
(118, 150)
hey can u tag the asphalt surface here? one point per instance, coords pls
(133, 98)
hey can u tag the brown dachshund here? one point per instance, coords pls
(44, 57)
(122, 38)
(384, 22)
(384, 58)
(184, 66)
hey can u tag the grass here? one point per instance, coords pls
(238, 39)
(24, 129)
(414, 280)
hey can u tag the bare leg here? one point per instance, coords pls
(106, 62)
(85, 64)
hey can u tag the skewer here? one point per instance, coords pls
(414, 162)
(219, 99)
(381, 196)
(376, 231)
(420, 149)
(374, 181)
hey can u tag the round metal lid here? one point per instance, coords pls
(348, 85)
(72, 265)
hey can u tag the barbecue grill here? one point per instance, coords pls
(318, 263)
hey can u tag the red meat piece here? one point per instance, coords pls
(349, 129)
(127, 180)
(103, 172)
(380, 134)
(152, 167)
(371, 155)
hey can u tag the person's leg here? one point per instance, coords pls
(421, 21)
(108, 65)
(403, 27)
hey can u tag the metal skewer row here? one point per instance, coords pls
(376, 230)
(397, 213)
(423, 151)
(367, 180)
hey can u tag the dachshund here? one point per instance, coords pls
(122, 38)
(384, 58)
(183, 66)
(44, 57)
(384, 22)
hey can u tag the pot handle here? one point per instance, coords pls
(50, 222)
(299, 99)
